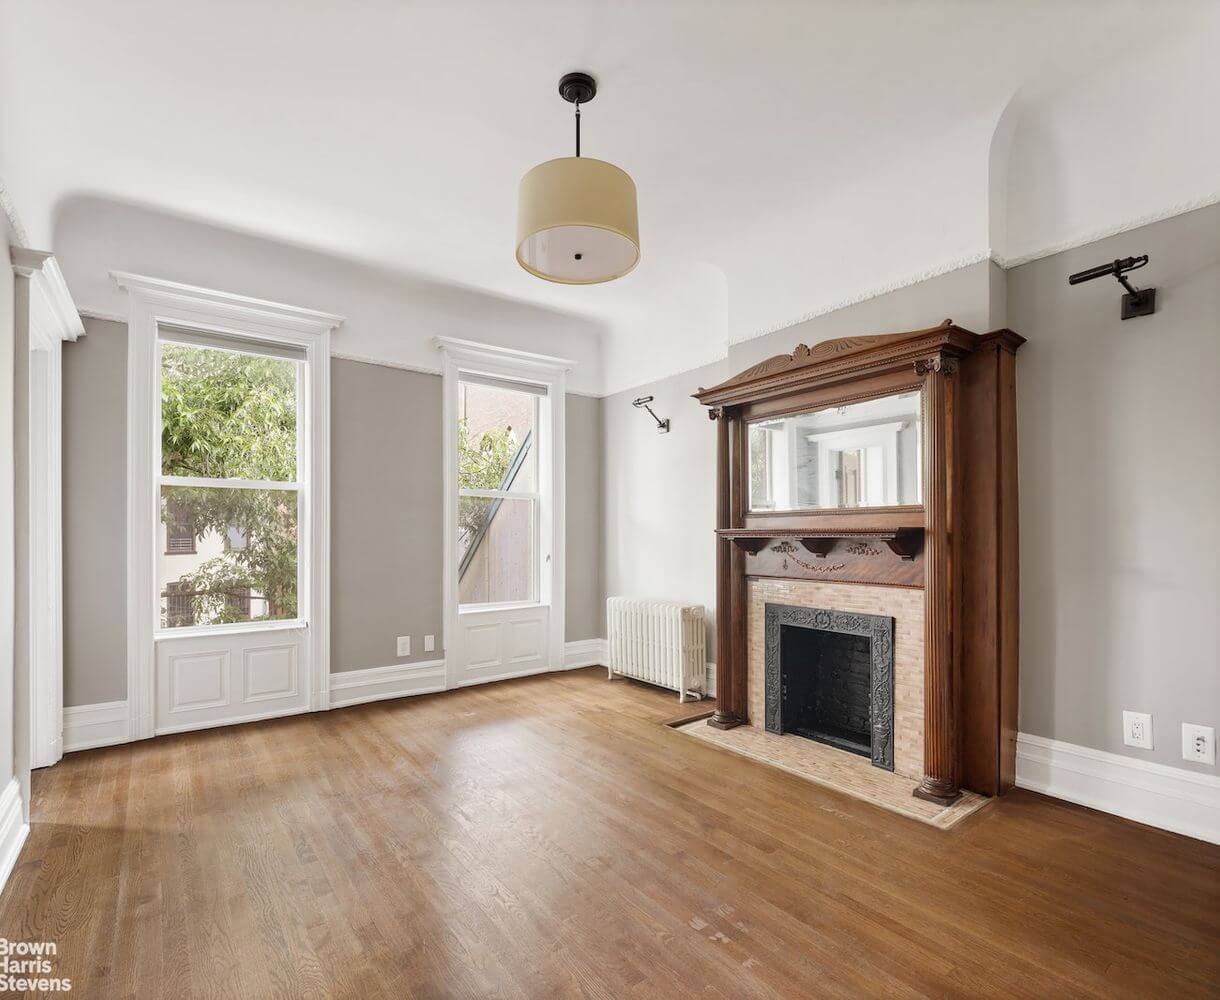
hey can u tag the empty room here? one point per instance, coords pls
(661, 499)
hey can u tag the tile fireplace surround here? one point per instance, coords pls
(845, 772)
(903, 604)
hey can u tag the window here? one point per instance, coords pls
(497, 468)
(179, 608)
(179, 531)
(230, 486)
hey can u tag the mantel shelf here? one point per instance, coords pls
(903, 542)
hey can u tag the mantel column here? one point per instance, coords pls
(730, 673)
(939, 782)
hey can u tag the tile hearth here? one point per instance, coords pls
(844, 772)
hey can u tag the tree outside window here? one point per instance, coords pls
(228, 415)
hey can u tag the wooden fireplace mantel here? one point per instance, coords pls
(959, 545)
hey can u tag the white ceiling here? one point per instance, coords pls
(789, 156)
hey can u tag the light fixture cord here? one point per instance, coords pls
(577, 103)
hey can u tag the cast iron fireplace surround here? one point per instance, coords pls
(828, 680)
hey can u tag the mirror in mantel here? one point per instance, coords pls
(863, 454)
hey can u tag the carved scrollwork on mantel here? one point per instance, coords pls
(940, 364)
(788, 551)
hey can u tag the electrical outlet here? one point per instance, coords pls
(429, 643)
(1137, 730)
(1198, 743)
(404, 645)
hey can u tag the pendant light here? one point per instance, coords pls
(576, 217)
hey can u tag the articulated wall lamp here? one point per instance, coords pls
(1136, 302)
(643, 401)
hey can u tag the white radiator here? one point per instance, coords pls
(660, 642)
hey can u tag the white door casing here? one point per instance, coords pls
(215, 675)
(50, 318)
(497, 642)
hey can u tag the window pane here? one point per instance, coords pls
(226, 415)
(496, 440)
(496, 551)
(242, 563)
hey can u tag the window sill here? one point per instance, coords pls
(238, 628)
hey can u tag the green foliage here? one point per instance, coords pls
(229, 415)
(266, 564)
(482, 465)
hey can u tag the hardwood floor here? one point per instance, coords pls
(549, 838)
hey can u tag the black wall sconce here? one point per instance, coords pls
(643, 401)
(1136, 302)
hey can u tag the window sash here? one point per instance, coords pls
(169, 334)
(535, 553)
(535, 498)
(499, 494)
(231, 484)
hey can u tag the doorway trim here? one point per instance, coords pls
(46, 317)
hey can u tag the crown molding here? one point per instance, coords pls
(871, 292)
(107, 316)
(59, 314)
(365, 359)
(160, 291)
(10, 212)
(1137, 222)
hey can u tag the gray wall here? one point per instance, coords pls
(387, 525)
(1119, 426)
(963, 295)
(387, 518)
(660, 494)
(583, 597)
(95, 514)
(7, 527)
(386, 515)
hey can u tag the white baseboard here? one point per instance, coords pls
(1171, 798)
(355, 687)
(13, 829)
(584, 653)
(100, 725)
(106, 724)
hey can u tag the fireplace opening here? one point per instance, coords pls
(830, 678)
(825, 686)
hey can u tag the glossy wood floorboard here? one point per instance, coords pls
(549, 838)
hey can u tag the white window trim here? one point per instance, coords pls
(153, 301)
(467, 356)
